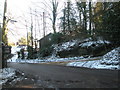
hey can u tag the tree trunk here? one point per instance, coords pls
(85, 17)
(54, 28)
(90, 14)
(68, 6)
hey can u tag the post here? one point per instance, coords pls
(31, 32)
(35, 30)
(27, 34)
(43, 24)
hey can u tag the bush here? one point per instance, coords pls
(56, 38)
(46, 51)
(30, 52)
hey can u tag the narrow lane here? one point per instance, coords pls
(82, 76)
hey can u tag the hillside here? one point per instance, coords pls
(75, 48)
(108, 61)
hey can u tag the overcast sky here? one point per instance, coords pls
(19, 10)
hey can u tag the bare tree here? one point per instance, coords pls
(54, 13)
(53, 6)
(82, 9)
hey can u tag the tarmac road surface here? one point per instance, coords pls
(69, 77)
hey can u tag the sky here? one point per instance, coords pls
(19, 10)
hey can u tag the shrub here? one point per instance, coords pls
(56, 38)
(46, 51)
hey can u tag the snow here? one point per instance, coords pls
(48, 59)
(96, 43)
(81, 43)
(65, 46)
(6, 74)
(108, 61)
(13, 49)
(52, 58)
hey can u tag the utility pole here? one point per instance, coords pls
(27, 33)
(35, 30)
(31, 30)
(43, 24)
(31, 34)
(39, 25)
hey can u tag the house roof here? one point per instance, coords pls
(45, 36)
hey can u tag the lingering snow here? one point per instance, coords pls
(65, 46)
(96, 43)
(6, 74)
(84, 43)
(108, 61)
(13, 49)
(50, 59)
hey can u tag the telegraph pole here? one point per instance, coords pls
(27, 33)
(35, 30)
(31, 30)
(31, 56)
(43, 24)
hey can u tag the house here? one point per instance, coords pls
(45, 41)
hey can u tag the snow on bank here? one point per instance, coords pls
(108, 61)
(81, 43)
(49, 59)
(65, 46)
(6, 74)
(96, 43)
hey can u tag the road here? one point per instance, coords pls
(70, 77)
